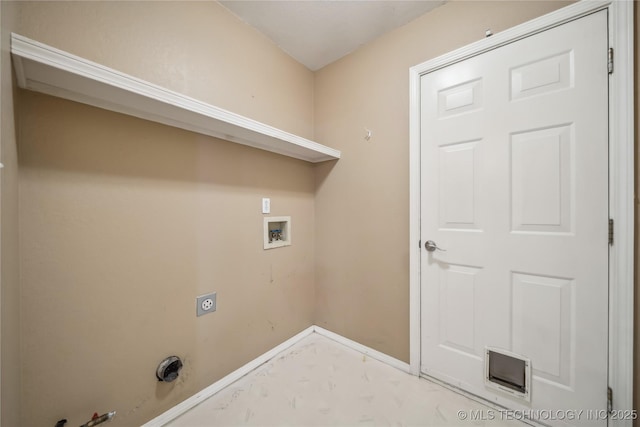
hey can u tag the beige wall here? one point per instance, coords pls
(362, 202)
(196, 48)
(124, 222)
(9, 281)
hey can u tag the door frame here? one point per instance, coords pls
(621, 181)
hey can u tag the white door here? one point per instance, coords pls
(514, 181)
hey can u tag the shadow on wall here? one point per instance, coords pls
(323, 170)
(97, 141)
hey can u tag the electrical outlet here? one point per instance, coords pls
(205, 304)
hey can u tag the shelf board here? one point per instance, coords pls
(45, 69)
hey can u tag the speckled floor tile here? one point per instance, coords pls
(319, 382)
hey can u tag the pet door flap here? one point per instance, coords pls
(508, 372)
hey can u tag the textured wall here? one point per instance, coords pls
(123, 222)
(362, 202)
(9, 276)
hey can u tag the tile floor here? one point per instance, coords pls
(319, 382)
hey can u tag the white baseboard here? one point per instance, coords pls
(374, 354)
(234, 376)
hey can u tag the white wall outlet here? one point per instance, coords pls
(205, 304)
(266, 205)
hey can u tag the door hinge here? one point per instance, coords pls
(420, 244)
(610, 231)
(609, 400)
(610, 61)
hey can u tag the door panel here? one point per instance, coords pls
(514, 170)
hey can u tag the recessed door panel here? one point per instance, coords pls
(543, 326)
(458, 190)
(541, 180)
(457, 297)
(542, 76)
(460, 98)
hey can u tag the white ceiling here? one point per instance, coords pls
(318, 32)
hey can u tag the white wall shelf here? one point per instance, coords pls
(45, 69)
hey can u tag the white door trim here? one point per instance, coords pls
(621, 181)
